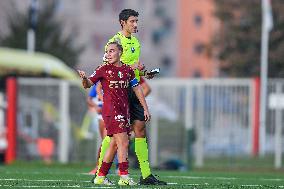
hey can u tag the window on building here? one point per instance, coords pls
(117, 5)
(108, 5)
(166, 62)
(197, 74)
(198, 20)
(98, 42)
(198, 48)
(98, 5)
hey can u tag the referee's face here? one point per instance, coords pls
(131, 24)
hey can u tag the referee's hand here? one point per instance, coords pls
(149, 76)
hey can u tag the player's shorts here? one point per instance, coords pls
(116, 124)
(136, 109)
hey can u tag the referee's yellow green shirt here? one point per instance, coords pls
(131, 50)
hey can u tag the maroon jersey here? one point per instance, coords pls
(115, 81)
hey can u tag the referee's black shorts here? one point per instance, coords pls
(136, 109)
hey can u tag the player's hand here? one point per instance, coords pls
(85, 81)
(82, 74)
(147, 116)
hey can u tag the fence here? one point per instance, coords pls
(190, 119)
(218, 112)
(55, 109)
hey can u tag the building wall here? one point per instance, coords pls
(97, 20)
(196, 27)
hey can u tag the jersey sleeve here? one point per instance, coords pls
(97, 75)
(133, 80)
(93, 91)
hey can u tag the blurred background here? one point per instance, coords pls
(217, 103)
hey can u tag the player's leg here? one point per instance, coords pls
(106, 164)
(102, 128)
(105, 142)
(104, 145)
(122, 142)
(103, 134)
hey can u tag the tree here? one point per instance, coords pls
(239, 41)
(49, 38)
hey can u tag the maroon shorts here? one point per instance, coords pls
(116, 124)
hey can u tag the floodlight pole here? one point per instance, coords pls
(266, 27)
(31, 41)
(31, 36)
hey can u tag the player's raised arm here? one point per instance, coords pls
(87, 83)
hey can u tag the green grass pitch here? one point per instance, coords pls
(37, 175)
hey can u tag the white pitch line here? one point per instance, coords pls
(40, 180)
(37, 173)
(243, 185)
(196, 177)
(55, 186)
(172, 183)
(251, 185)
(187, 184)
(272, 179)
(224, 178)
(78, 186)
(184, 177)
(84, 181)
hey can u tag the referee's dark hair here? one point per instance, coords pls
(126, 13)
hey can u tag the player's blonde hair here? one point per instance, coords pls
(119, 46)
